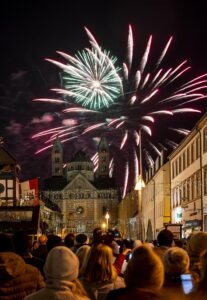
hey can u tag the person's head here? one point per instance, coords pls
(81, 239)
(144, 270)
(110, 236)
(35, 245)
(82, 254)
(69, 240)
(165, 238)
(61, 271)
(22, 243)
(137, 243)
(53, 241)
(6, 244)
(179, 243)
(42, 239)
(176, 261)
(197, 244)
(99, 266)
(61, 264)
(97, 235)
(129, 244)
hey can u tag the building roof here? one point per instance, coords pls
(196, 129)
(57, 145)
(50, 204)
(80, 156)
(6, 158)
(102, 183)
(55, 183)
(103, 145)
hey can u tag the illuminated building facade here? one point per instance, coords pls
(83, 196)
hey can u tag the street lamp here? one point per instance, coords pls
(139, 186)
(107, 216)
(103, 226)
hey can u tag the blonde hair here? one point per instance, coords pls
(82, 254)
(99, 266)
(78, 289)
(145, 269)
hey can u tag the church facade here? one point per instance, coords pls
(84, 196)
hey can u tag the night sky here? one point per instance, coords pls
(33, 30)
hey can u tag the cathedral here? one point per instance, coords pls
(83, 195)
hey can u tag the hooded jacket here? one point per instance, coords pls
(17, 279)
(61, 271)
(100, 290)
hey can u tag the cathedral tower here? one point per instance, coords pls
(57, 158)
(103, 155)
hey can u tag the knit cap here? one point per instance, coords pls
(197, 243)
(145, 269)
(176, 261)
(61, 264)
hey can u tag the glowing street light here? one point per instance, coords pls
(139, 184)
(107, 216)
(138, 187)
(103, 226)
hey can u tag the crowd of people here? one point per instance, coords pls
(104, 268)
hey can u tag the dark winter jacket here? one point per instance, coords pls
(17, 279)
(132, 294)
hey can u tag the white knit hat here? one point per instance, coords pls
(61, 263)
(176, 261)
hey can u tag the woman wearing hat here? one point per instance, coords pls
(61, 272)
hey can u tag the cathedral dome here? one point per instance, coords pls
(80, 156)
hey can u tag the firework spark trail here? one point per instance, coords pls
(145, 56)
(164, 52)
(126, 180)
(130, 48)
(50, 100)
(180, 130)
(136, 166)
(120, 103)
(124, 139)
